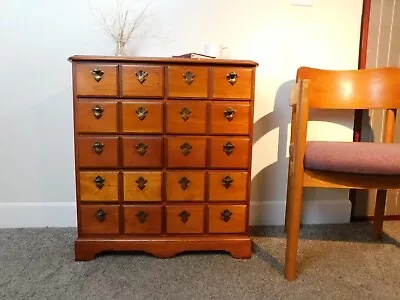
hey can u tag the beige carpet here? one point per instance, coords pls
(335, 262)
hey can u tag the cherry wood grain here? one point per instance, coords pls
(237, 159)
(230, 118)
(134, 156)
(86, 85)
(177, 223)
(134, 122)
(177, 86)
(236, 223)
(151, 192)
(86, 121)
(176, 157)
(152, 86)
(236, 191)
(223, 89)
(88, 157)
(142, 219)
(89, 191)
(186, 117)
(92, 225)
(176, 190)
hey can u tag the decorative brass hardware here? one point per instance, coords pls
(232, 76)
(141, 76)
(141, 148)
(98, 147)
(185, 113)
(141, 112)
(227, 182)
(229, 113)
(189, 77)
(99, 181)
(226, 215)
(186, 148)
(142, 216)
(97, 74)
(100, 215)
(141, 182)
(184, 182)
(184, 215)
(97, 111)
(228, 148)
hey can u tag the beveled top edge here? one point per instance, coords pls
(174, 60)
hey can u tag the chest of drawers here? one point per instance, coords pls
(163, 154)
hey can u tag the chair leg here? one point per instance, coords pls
(379, 214)
(288, 199)
(296, 197)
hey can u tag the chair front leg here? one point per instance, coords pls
(379, 214)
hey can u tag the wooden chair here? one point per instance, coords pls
(345, 165)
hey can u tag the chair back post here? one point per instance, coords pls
(390, 122)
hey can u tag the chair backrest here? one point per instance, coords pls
(351, 89)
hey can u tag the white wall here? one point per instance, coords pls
(36, 152)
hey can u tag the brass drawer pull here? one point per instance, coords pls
(99, 181)
(100, 215)
(98, 147)
(141, 148)
(141, 76)
(141, 113)
(226, 215)
(185, 113)
(189, 77)
(184, 215)
(97, 74)
(141, 182)
(142, 216)
(228, 148)
(229, 113)
(97, 111)
(232, 76)
(184, 182)
(186, 149)
(227, 182)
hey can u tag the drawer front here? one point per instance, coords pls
(98, 186)
(98, 151)
(187, 81)
(141, 219)
(96, 80)
(185, 186)
(142, 117)
(142, 186)
(227, 186)
(96, 116)
(142, 81)
(186, 117)
(99, 219)
(142, 152)
(185, 219)
(229, 152)
(186, 152)
(232, 83)
(227, 218)
(230, 118)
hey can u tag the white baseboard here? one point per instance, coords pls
(63, 214)
(313, 212)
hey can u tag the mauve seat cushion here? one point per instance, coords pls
(364, 158)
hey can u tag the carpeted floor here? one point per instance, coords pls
(335, 262)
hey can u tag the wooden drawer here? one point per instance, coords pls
(186, 117)
(186, 152)
(96, 116)
(187, 81)
(229, 152)
(98, 151)
(142, 117)
(227, 218)
(227, 186)
(230, 118)
(96, 80)
(142, 186)
(232, 83)
(98, 186)
(185, 219)
(142, 81)
(185, 186)
(141, 219)
(99, 219)
(142, 152)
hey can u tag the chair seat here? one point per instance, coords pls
(348, 157)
